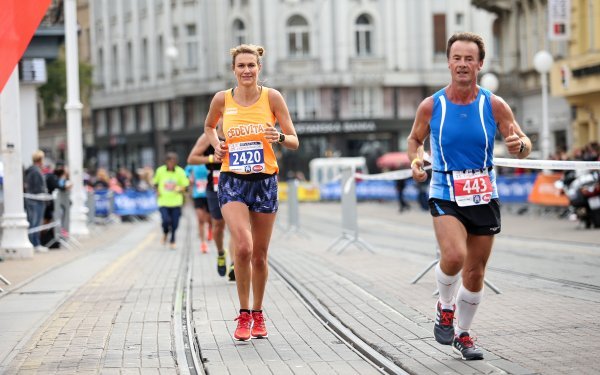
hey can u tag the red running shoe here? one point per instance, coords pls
(242, 332)
(259, 329)
(204, 248)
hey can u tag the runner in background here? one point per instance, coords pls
(462, 119)
(171, 183)
(203, 153)
(198, 176)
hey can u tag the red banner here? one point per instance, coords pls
(18, 21)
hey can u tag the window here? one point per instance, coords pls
(302, 103)
(115, 121)
(99, 70)
(115, 65)
(161, 115)
(129, 113)
(129, 67)
(364, 35)
(239, 32)
(128, 9)
(144, 57)
(439, 34)
(101, 129)
(363, 101)
(497, 38)
(176, 112)
(191, 46)
(143, 118)
(459, 19)
(298, 41)
(160, 59)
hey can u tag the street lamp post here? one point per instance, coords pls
(78, 222)
(542, 61)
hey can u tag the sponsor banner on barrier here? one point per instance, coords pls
(307, 192)
(130, 202)
(544, 191)
(512, 189)
(101, 203)
(515, 189)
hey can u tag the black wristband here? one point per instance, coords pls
(281, 138)
(522, 148)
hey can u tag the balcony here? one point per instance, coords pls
(298, 66)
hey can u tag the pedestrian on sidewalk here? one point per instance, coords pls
(35, 203)
(248, 179)
(197, 174)
(204, 153)
(171, 183)
(463, 194)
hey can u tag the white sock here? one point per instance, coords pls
(466, 306)
(446, 287)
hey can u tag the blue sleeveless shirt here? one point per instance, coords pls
(462, 138)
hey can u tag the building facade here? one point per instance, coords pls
(520, 31)
(577, 76)
(53, 129)
(352, 71)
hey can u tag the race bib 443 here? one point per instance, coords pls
(472, 187)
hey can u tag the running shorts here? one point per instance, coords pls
(260, 195)
(213, 205)
(200, 203)
(481, 220)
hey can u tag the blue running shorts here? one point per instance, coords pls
(259, 194)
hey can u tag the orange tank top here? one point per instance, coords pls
(244, 127)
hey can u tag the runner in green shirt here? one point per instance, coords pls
(170, 182)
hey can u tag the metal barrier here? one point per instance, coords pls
(349, 234)
(435, 262)
(5, 281)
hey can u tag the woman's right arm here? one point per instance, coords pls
(197, 156)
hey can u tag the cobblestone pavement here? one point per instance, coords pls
(109, 309)
(547, 270)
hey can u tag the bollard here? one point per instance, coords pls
(349, 234)
(294, 210)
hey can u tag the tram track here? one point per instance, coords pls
(560, 245)
(354, 342)
(188, 351)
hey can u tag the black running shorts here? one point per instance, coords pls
(201, 203)
(482, 220)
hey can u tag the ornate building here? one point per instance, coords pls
(577, 76)
(520, 31)
(352, 71)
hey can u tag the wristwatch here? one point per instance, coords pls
(522, 148)
(281, 137)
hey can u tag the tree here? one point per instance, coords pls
(54, 91)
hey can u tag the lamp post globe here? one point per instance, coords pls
(172, 52)
(542, 61)
(489, 81)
